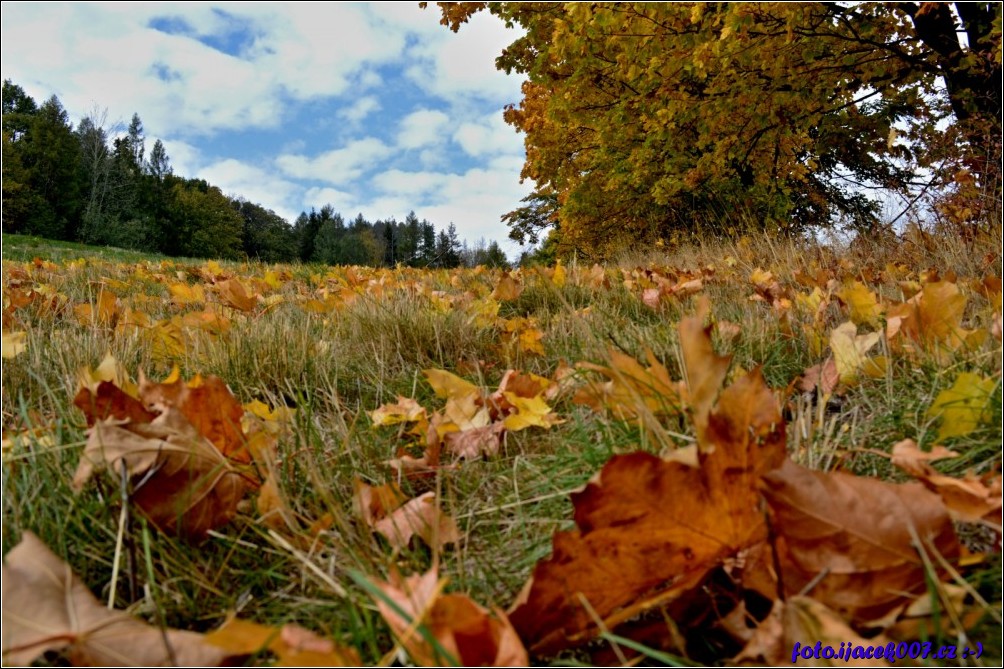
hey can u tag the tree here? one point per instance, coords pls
(204, 223)
(645, 119)
(49, 154)
(159, 165)
(20, 200)
(137, 142)
(327, 243)
(265, 235)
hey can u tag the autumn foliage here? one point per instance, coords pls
(653, 120)
(712, 528)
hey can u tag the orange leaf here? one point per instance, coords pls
(182, 483)
(292, 645)
(970, 499)
(704, 368)
(209, 406)
(648, 530)
(471, 635)
(235, 294)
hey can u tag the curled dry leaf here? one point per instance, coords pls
(649, 530)
(705, 370)
(469, 633)
(182, 483)
(969, 499)
(385, 509)
(632, 389)
(853, 537)
(799, 622)
(46, 607)
(291, 644)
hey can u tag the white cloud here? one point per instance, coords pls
(422, 128)
(338, 166)
(329, 67)
(270, 190)
(474, 200)
(360, 109)
(490, 135)
(461, 65)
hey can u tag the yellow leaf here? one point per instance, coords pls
(405, 410)
(861, 302)
(449, 385)
(530, 412)
(962, 407)
(507, 288)
(110, 370)
(529, 341)
(849, 350)
(14, 344)
(184, 294)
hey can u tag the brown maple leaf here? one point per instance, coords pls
(180, 480)
(853, 538)
(648, 530)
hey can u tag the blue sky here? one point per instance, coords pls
(372, 108)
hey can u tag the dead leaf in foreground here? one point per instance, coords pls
(648, 530)
(852, 535)
(971, 499)
(469, 633)
(183, 484)
(46, 607)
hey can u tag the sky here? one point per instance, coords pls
(371, 108)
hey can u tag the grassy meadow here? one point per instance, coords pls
(334, 344)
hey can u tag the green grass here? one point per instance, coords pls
(335, 367)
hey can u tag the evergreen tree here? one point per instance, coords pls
(50, 156)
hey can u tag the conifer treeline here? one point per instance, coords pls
(83, 184)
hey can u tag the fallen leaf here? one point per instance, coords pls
(447, 385)
(632, 390)
(14, 344)
(849, 349)
(962, 407)
(182, 482)
(507, 289)
(704, 369)
(209, 406)
(46, 607)
(291, 644)
(853, 535)
(970, 499)
(235, 294)
(405, 410)
(798, 623)
(649, 530)
(468, 633)
(475, 442)
(861, 302)
(387, 510)
(420, 516)
(529, 412)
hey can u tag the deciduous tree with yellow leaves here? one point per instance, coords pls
(645, 119)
